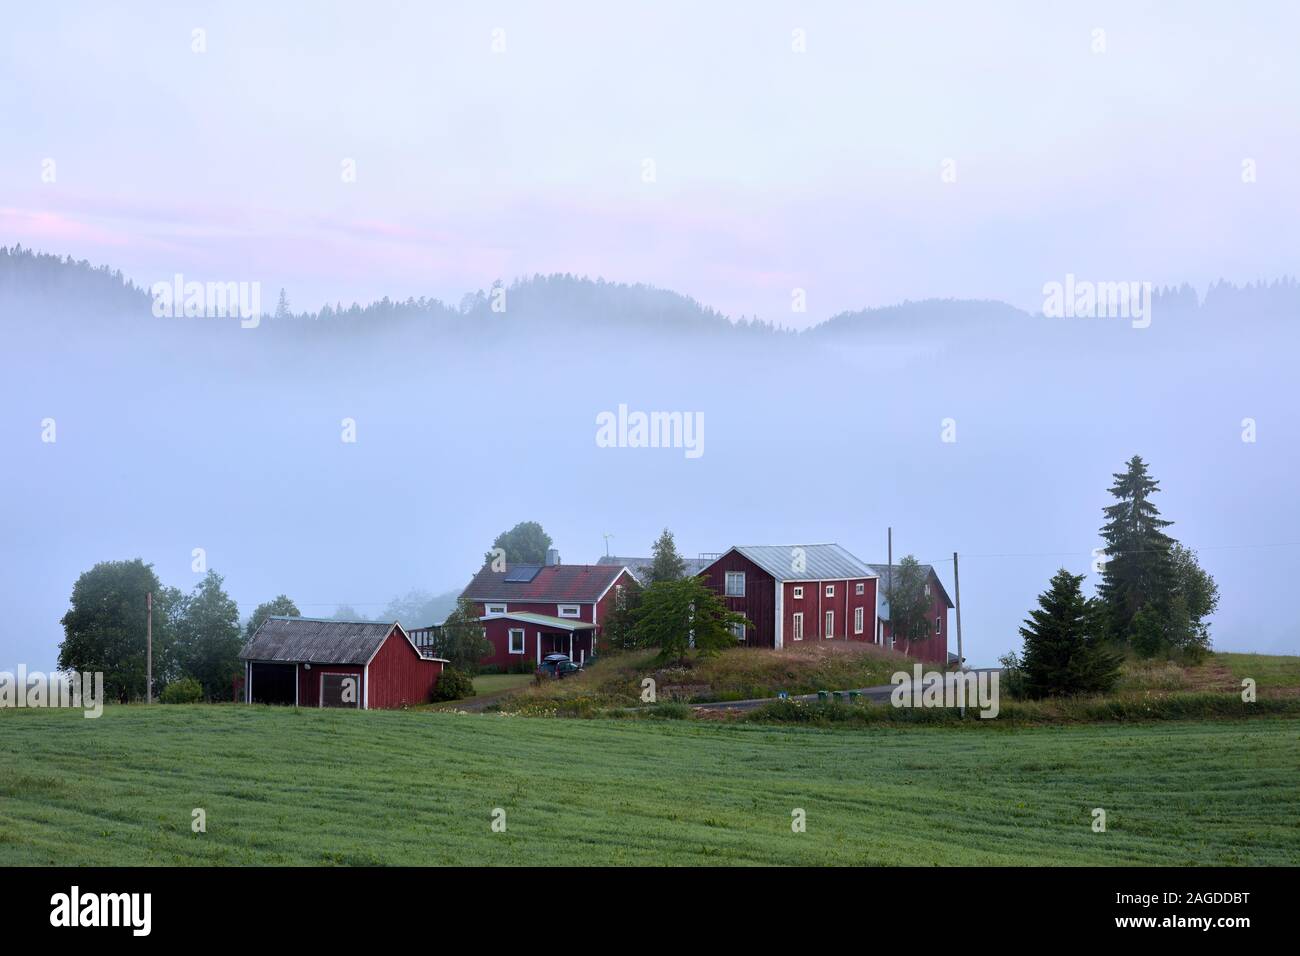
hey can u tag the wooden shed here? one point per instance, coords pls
(310, 662)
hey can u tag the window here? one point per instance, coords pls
(738, 631)
(735, 584)
(830, 590)
(927, 590)
(859, 588)
(857, 620)
(495, 609)
(798, 626)
(340, 690)
(938, 625)
(570, 610)
(798, 592)
(516, 640)
(830, 624)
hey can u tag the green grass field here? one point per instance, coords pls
(323, 787)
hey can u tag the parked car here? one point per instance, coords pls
(558, 665)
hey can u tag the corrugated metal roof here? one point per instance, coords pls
(819, 562)
(316, 641)
(542, 620)
(640, 567)
(554, 584)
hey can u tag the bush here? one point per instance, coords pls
(184, 691)
(453, 685)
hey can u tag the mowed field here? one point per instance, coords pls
(326, 787)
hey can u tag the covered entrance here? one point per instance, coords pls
(273, 683)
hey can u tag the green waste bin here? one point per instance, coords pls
(821, 696)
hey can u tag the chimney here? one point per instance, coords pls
(552, 557)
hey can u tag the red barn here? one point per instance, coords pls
(933, 648)
(531, 610)
(794, 593)
(308, 662)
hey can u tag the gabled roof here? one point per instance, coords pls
(553, 584)
(640, 567)
(542, 620)
(882, 571)
(817, 562)
(317, 641)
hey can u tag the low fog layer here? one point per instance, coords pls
(183, 433)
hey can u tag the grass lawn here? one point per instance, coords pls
(320, 787)
(1270, 671)
(485, 684)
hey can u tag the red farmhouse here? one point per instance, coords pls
(932, 648)
(309, 662)
(531, 610)
(793, 593)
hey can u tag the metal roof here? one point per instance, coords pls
(818, 562)
(316, 641)
(640, 567)
(882, 571)
(543, 620)
(553, 584)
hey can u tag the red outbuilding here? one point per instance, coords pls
(309, 662)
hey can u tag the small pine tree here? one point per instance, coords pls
(1064, 648)
(667, 564)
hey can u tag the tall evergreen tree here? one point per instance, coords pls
(667, 564)
(1139, 570)
(1065, 650)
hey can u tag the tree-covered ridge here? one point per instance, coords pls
(568, 299)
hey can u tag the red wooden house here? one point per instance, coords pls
(933, 648)
(309, 662)
(795, 593)
(531, 610)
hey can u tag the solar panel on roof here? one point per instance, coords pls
(522, 573)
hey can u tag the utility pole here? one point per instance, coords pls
(148, 649)
(956, 586)
(889, 586)
(607, 537)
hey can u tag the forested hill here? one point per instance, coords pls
(73, 289)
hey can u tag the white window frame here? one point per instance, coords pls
(938, 624)
(830, 590)
(798, 592)
(859, 614)
(738, 632)
(830, 625)
(569, 610)
(490, 608)
(523, 640)
(796, 627)
(927, 589)
(860, 588)
(726, 584)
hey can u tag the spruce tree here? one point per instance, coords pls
(667, 564)
(1065, 652)
(1138, 571)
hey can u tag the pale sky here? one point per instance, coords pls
(774, 169)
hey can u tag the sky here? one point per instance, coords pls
(735, 152)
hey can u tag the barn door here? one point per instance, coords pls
(340, 690)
